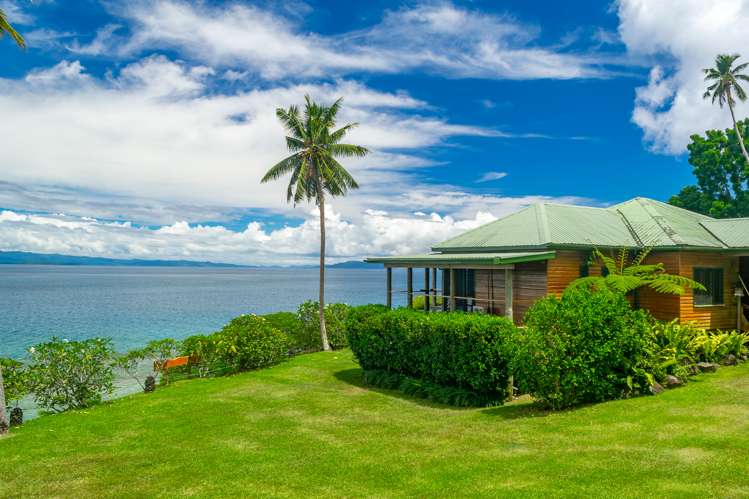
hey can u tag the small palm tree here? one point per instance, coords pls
(314, 169)
(6, 27)
(724, 79)
(624, 276)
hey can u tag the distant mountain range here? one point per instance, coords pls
(25, 258)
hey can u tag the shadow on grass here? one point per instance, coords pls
(515, 410)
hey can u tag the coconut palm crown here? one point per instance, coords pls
(316, 146)
(724, 87)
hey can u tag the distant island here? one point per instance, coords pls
(27, 258)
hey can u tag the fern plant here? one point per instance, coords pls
(624, 275)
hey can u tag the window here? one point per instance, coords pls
(712, 279)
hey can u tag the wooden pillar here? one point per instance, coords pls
(434, 287)
(452, 290)
(410, 287)
(389, 300)
(426, 290)
(508, 294)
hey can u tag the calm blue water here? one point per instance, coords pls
(133, 305)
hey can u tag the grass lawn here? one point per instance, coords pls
(309, 428)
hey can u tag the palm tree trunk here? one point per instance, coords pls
(3, 416)
(740, 137)
(323, 331)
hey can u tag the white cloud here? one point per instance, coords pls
(440, 37)
(375, 232)
(100, 44)
(489, 176)
(683, 36)
(152, 131)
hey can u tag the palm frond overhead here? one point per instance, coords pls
(6, 27)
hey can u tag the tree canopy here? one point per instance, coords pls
(722, 189)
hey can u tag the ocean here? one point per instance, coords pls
(133, 305)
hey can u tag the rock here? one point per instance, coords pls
(656, 388)
(730, 360)
(672, 381)
(16, 416)
(693, 369)
(150, 384)
(707, 367)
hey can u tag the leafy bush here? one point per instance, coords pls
(15, 380)
(251, 342)
(418, 302)
(335, 323)
(464, 351)
(583, 347)
(204, 353)
(301, 339)
(71, 374)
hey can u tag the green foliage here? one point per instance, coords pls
(418, 302)
(465, 351)
(313, 166)
(251, 342)
(203, 351)
(71, 374)
(335, 318)
(15, 379)
(6, 27)
(722, 173)
(583, 347)
(624, 275)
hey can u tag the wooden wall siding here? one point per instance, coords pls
(663, 307)
(713, 317)
(565, 268)
(529, 284)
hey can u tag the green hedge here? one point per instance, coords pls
(251, 342)
(465, 351)
(583, 347)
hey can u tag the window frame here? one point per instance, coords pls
(716, 301)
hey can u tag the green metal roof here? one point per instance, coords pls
(734, 232)
(466, 258)
(635, 223)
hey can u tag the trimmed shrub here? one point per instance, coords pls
(71, 374)
(583, 347)
(335, 323)
(465, 351)
(300, 339)
(251, 342)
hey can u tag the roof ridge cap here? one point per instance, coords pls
(702, 224)
(629, 227)
(662, 223)
(543, 224)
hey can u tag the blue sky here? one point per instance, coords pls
(139, 129)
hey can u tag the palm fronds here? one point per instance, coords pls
(625, 276)
(6, 27)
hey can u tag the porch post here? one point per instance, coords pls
(452, 290)
(389, 300)
(508, 294)
(410, 286)
(434, 286)
(426, 289)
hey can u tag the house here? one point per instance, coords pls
(506, 265)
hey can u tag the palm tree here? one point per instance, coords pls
(314, 169)
(623, 276)
(725, 82)
(6, 27)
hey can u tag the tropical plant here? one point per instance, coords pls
(203, 352)
(71, 374)
(624, 275)
(315, 145)
(251, 342)
(7, 28)
(335, 317)
(724, 84)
